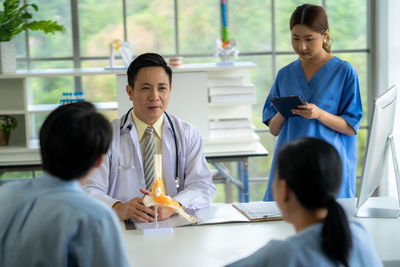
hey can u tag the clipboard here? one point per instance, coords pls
(284, 104)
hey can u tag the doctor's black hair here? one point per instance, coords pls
(312, 169)
(72, 138)
(147, 60)
(315, 18)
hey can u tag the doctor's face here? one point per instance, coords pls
(150, 94)
(306, 42)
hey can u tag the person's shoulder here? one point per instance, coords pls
(281, 252)
(15, 187)
(364, 253)
(292, 66)
(83, 206)
(279, 249)
(116, 123)
(10, 194)
(358, 230)
(272, 254)
(304, 248)
(343, 64)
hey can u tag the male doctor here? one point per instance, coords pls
(127, 171)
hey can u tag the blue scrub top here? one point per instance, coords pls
(335, 89)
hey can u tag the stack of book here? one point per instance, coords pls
(231, 135)
(230, 91)
(231, 96)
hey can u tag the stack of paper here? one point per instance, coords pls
(230, 123)
(245, 98)
(224, 81)
(230, 127)
(230, 90)
(219, 112)
(231, 135)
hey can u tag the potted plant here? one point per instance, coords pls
(14, 19)
(7, 123)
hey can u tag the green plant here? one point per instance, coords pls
(15, 18)
(7, 123)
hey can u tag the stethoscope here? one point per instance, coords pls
(175, 141)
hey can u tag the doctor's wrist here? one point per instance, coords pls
(118, 208)
(115, 203)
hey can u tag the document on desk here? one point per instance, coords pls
(219, 213)
(214, 214)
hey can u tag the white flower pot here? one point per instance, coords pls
(7, 57)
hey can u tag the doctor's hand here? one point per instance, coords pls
(164, 213)
(309, 111)
(134, 209)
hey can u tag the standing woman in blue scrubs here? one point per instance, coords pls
(330, 88)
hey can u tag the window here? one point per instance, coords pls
(189, 29)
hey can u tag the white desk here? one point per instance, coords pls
(217, 245)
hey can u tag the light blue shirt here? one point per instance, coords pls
(335, 89)
(121, 175)
(305, 249)
(50, 222)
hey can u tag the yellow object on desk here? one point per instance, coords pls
(158, 198)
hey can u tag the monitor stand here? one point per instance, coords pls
(365, 212)
(377, 213)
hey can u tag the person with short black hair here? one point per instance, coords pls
(127, 172)
(307, 180)
(49, 220)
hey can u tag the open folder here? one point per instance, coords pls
(215, 214)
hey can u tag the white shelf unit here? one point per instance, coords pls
(189, 101)
(14, 101)
(231, 96)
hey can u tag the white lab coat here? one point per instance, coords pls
(121, 173)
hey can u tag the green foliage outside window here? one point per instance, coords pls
(15, 18)
(151, 27)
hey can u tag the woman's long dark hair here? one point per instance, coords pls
(313, 171)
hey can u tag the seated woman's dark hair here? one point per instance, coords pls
(72, 139)
(312, 169)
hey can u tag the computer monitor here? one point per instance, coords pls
(380, 142)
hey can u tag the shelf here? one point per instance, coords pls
(230, 140)
(13, 148)
(50, 107)
(106, 105)
(120, 70)
(11, 111)
(223, 79)
(231, 104)
(61, 72)
(213, 67)
(34, 144)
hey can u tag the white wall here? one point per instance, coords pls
(387, 45)
(394, 77)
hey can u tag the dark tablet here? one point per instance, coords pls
(284, 104)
